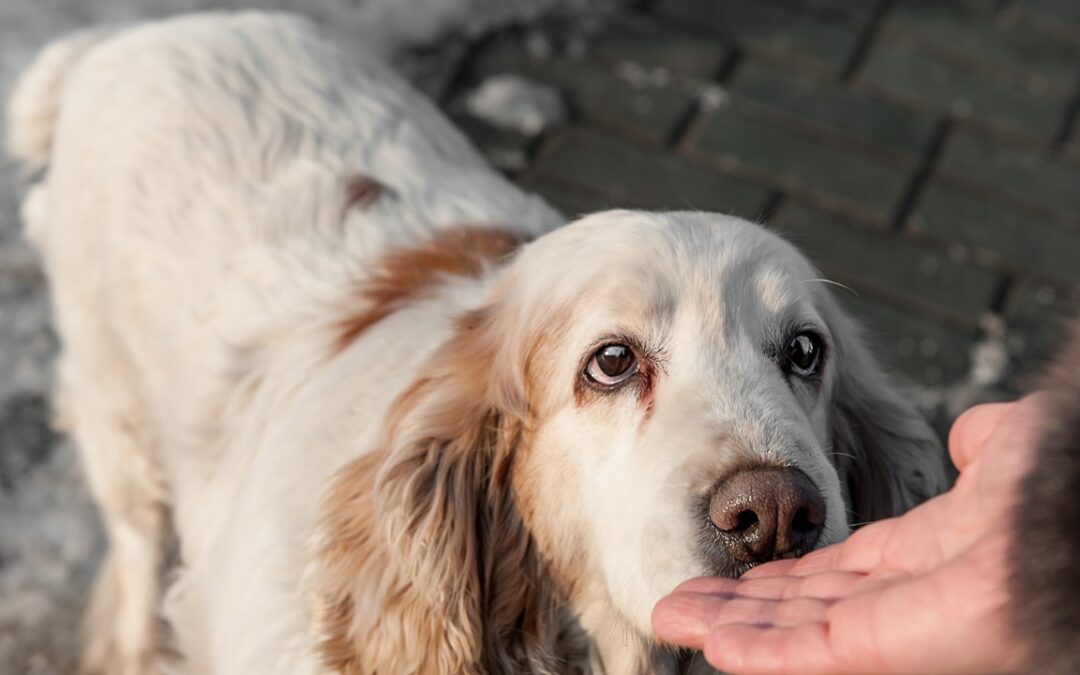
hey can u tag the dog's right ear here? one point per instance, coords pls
(888, 455)
(422, 562)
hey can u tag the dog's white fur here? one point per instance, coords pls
(428, 493)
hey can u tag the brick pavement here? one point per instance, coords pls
(925, 154)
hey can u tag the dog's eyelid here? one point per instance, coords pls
(776, 341)
(645, 352)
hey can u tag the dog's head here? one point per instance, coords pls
(643, 399)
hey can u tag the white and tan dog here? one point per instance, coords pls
(303, 329)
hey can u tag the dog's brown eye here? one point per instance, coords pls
(803, 354)
(612, 365)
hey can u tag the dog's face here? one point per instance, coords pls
(681, 390)
(646, 398)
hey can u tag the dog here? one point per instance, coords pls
(398, 415)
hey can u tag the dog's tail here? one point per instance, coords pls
(35, 102)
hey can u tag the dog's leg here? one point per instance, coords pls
(100, 403)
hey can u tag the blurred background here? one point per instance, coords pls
(925, 154)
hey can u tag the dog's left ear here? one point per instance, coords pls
(889, 457)
(423, 564)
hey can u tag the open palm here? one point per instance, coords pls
(923, 592)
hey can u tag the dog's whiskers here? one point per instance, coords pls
(830, 282)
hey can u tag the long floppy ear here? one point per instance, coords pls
(890, 459)
(423, 564)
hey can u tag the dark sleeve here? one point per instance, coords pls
(1045, 558)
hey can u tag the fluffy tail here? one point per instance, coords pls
(35, 101)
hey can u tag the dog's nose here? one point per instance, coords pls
(765, 514)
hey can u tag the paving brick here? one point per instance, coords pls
(797, 38)
(1071, 152)
(641, 41)
(865, 259)
(1057, 17)
(968, 33)
(1017, 174)
(924, 351)
(975, 9)
(639, 178)
(573, 200)
(830, 10)
(1062, 10)
(839, 177)
(1034, 315)
(26, 438)
(998, 235)
(905, 70)
(834, 108)
(650, 113)
(507, 150)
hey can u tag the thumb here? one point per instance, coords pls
(971, 430)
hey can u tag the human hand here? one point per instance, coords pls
(923, 592)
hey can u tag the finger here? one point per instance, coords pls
(776, 568)
(764, 612)
(713, 585)
(969, 432)
(815, 562)
(860, 552)
(751, 649)
(683, 619)
(863, 552)
(696, 606)
(687, 618)
(825, 586)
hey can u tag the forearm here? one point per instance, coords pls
(1045, 556)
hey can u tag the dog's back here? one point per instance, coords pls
(208, 186)
(185, 141)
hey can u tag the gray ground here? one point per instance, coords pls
(49, 536)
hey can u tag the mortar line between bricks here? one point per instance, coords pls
(773, 203)
(682, 126)
(463, 71)
(868, 35)
(532, 151)
(727, 69)
(686, 122)
(1072, 118)
(922, 173)
(1001, 293)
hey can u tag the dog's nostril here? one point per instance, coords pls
(802, 522)
(744, 521)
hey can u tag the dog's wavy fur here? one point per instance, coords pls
(302, 328)
(435, 503)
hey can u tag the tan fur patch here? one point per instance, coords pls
(406, 274)
(347, 509)
(424, 564)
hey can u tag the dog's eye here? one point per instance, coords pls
(612, 365)
(803, 354)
